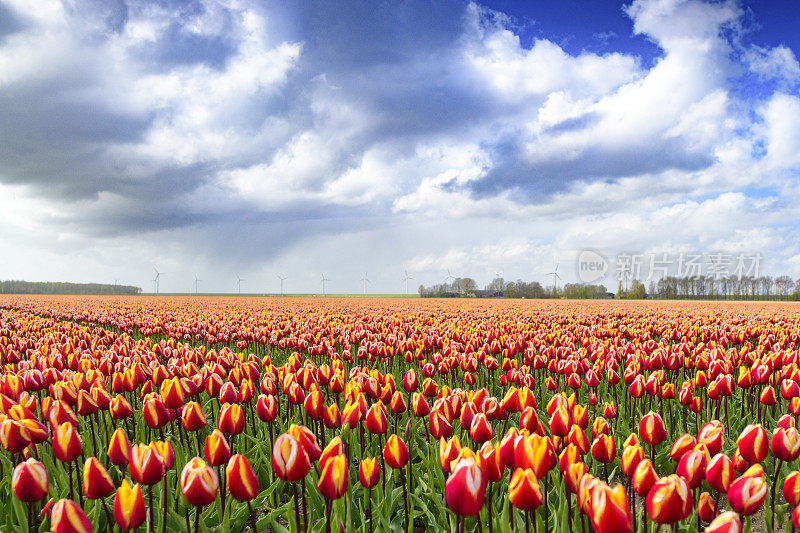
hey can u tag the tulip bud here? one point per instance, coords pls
(146, 465)
(172, 393)
(376, 420)
(791, 488)
(333, 478)
(573, 475)
(267, 408)
(706, 507)
(242, 482)
(720, 472)
(669, 500)
(68, 517)
(692, 468)
(119, 449)
(231, 419)
(753, 443)
(465, 489)
(524, 491)
(395, 453)
(193, 417)
(289, 459)
(307, 440)
(438, 425)
(30, 482)
(610, 510)
(199, 483)
(14, 436)
(651, 429)
(369, 472)
(746, 494)
(727, 522)
(216, 450)
(786, 443)
(711, 434)
(96, 481)
(604, 449)
(480, 430)
(129, 509)
(537, 453)
(67, 445)
(682, 444)
(644, 477)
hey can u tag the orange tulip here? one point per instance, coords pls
(146, 465)
(289, 460)
(524, 491)
(610, 510)
(669, 500)
(369, 472)
(395, 453)
(216, 450)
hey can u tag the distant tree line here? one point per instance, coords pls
(57, 287)
(726, 288)
(500, 288)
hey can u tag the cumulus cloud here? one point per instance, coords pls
(259, 136)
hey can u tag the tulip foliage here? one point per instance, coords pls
(218, 414)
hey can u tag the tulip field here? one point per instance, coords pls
(355, 414)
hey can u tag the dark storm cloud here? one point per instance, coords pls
(535, 182)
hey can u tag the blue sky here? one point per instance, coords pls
(262, 137)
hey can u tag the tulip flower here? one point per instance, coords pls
(727, 522)
(524, 491)
(368, 475)
(651, 429)
(14, 436)
(333, 479)
(335, 447)
(29, 481)
(747, 494)
(146, 465)
(480, 430)
(67, 517)
(786, 443)
(119, 449)
(231, 419)
(706, 507)
(307, 440)
(242, 483)
(465, 490)
(682, 444)
(129, 509)
(644, 477)
(96, 481)
(604, 449)
(291, 463)
(753, 443)
(669, 500)
(720, 472)
(199, 483)
(216, 450)
(610, 510)
(376, 420)
(791, 489)
(692, 468)
(630, 459)
(192, 417)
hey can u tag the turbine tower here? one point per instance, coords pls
(282, 278)
(449, 277)
(196, 281)
(365, 279)
(406, 278)
(555, 276)
(156, 280)
(324, 279)
(239, 283)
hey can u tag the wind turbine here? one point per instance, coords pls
(196, 280)
(282, 278)
(406, 278)
(239, 283)
(497, 273)
(449, 276)
(156, 280)
(324, 279)
(365, 279)
(555, 275)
